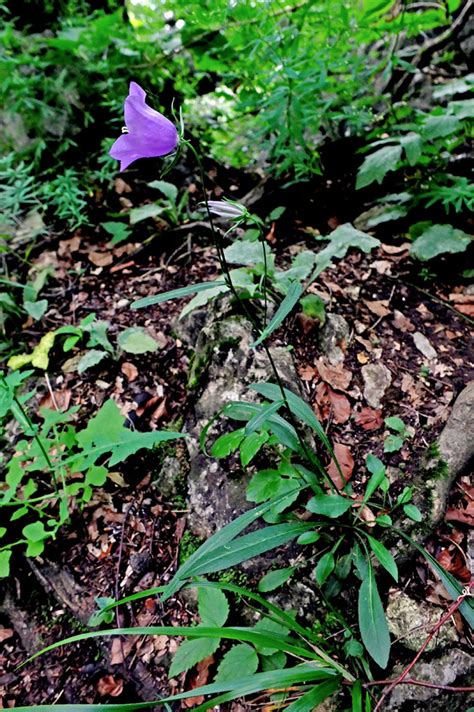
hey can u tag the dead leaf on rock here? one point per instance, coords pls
(346, 463)
(100, 259)
(378, 307)
(332, 404)
(369, 419)
(109, 685)
(336, 376)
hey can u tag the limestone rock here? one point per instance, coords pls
(424, 346)
(333, 338)
(377, 379)
(410, 622)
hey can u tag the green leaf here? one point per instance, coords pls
(5, 563)
(395, 423)
(169, 190)
(136, 340)
(329, 505)
(35, 532)
(213, 607)
(372, 623)
(106, 434)
(261, 418)
(267, 625)
(392, 443)
(36, 309)
(118, 230)
(152, 210)
(274, 661)
(314, 307)
(342, 239)
(463, 109)
(438, 240)
(377, 469)
(227, 443)
(243, 252)
(412, 145)
(294, 293)
(413, 512)
(376, 166)
(177, 294)
(440, 126)
(91, 358)
(384, 556)
(191, 652)
(309, 701)
(240, 660)
(325, 567)
(275, 579)
(266, 484)
(251, 445)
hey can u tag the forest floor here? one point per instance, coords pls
(414, 328)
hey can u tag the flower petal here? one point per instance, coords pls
(153, 134)
(124, 150)
(136, 90)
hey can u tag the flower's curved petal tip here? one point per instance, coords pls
(136, 90)
(123, 150)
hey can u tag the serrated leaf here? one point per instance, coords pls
(136, 340)
(275, 579)
(191, 652)
(243, 252)
(324, 568)
(268, 625)
(213, 607)
(395, 423)
(438, 240)
(376, 166)
(384, 556)
(240, 660)
(372, 623)
(91, 358)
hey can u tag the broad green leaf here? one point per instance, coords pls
(91, 358)
(5, 563)
(136, 340)
(267, 625)
(342, 239)
(440, 126)
(151, 210)
(395, 423)
(275, 579)
(274, 661)
(463, 109)
(456, 86)
(372, 623)
(169, 190)
(314, 307)
(240, 660)
(384, 556)
(177, 294)
(251, 445)
(243, 252)
(36, 309)
(438, 240)
(227, 443)
(266, 484)
(392, 443)
(309, 701)
(212, 606)
(413, 512)
(329, 505)
(294, 293)
(118, 230)
(412, 145)
(106, 434)
(35, 532)
(191, 652)
(324, 567)
(376, 166)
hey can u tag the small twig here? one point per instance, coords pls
(446, 616)
(51, 392)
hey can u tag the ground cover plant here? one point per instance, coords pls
(235, 390)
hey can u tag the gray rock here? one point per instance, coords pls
(333, 338)
(443, 670)
(410, 622)
(377, 379)
(455, 452)
(424, 346)
(166, 482)
(224, 367)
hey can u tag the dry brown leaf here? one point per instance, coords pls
(336, 376)
(197, 679)
(109, 685)
(369, 419)
(378, 307)
(332, 404)
(59, 400)
(382, 266)
(121, 186)
(66, 247)
(395, 249)
(402, 322)
(121, 649)
(464, 514)
(306, 323)
(5, 633)
(346, 464)
(129, 370)
(101, 259)
(307, 373)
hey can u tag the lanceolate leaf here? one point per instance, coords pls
(176, 294)
(294, 293)
(372, 623)
(384, 556)
(310, 700)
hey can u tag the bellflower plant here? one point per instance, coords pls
(148, 133)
